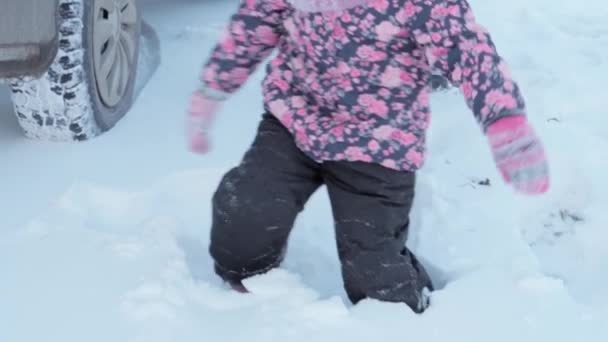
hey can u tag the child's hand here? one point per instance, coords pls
(200, 116)
(519, 155)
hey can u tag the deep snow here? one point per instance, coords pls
(106, 240)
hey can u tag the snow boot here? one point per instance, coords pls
(238, 286)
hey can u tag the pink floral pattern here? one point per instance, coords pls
(352, 82)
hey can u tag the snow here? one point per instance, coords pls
(106, 240)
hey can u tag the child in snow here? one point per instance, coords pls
(347, 106)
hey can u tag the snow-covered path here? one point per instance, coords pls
(106, 241)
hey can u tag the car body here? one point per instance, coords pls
(28, 36)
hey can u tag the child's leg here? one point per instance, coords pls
(371, 207)
(257, 202)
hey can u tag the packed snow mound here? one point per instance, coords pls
(132, 266)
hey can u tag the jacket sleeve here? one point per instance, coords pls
(249, 38)
(463, 51)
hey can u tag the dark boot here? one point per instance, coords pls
(238, 286)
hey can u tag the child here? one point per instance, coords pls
(347, 106)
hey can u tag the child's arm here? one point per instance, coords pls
(250, 37)
(464, 52)
(252, 33)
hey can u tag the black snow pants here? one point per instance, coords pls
(256, 204)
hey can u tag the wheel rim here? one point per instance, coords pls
(114, 44)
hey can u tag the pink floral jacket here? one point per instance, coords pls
(350, 78)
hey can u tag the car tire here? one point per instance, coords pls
(90, 85)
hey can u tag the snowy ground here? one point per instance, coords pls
(106, 240)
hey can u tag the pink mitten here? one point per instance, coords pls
(200, 117)
(519, 154)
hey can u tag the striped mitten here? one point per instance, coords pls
(201, 114)
(519, 154)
